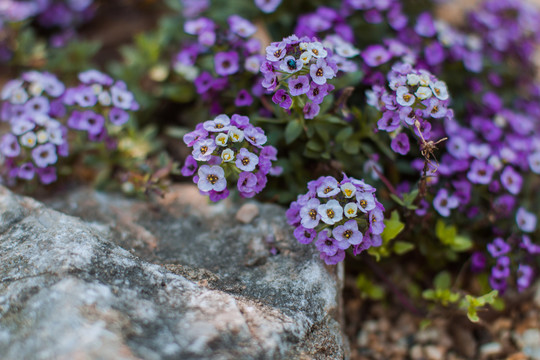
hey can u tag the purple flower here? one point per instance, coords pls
(478, 261)
(309, 214)
(203, 149)
(443, 203)
(320, 72)
(245, 160)
(94, 76)
(267, 6)
(525, 220)
(375, 55)
(400, 144)
(84, 96)
(376, 221)
(331, 212)
(317, 92)
(192, 137)
(299, 85)
(347, 234)
(511, 180)
(480, 172)
(498, 247)
(190, 166)
(203, 82)
(275, 52)
(47, 175)
(389, 121)
(326, 244)
(26, 171)
(219, 124)
(328, 187)
(243, 98)
(255, 136)
(424, 25)
(529, 246)
(37, 105)
(502, 268)
(241, 26)
(311, 110)
(211, 178)
(338, 257)
(247, 183)
(366, 201)
(303, 235)
(92, 122)
(226, 63)
(282, 99)
(44, 155)
(118, 116)
(216, 196)
(524, 277)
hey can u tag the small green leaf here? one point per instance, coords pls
(397, 199)
(442, 280)
(393, 227)
(461, 243)
(402, 247)
(315, 145)
(292, 131)
(344, 134)
(472, 314)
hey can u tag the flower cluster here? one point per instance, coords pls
(96, 99)
(233, 52)
(61, 14)
(303, 67)
(375, 11)
(229, 149)
(416, 96)
(32, 106)
(337, 215)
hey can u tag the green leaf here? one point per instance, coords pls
(445, 233)
(351, 147)
(397, 199)
(472, 314)
(442, 280)
(315, 145)
(393, 227)
(461, 243)
(402, 247)
(292, 131)
(344, 134)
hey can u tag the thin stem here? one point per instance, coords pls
(386, 181)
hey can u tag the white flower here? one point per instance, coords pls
(97, 88)
(366, 201)
(495, 162)
(121, 98)
(423, 92)
(35, 89)
(221, 139)
(18, 96)
(403, 97)
(424, 78)
(413, 79)
(346, 50)
(28, 139)
(317, 49)
(350, 210)
(253, 64)
(500, 121)
(348, 190)
(188, 72)
(236, 134)
(306, 57)
(55, 136)
(227, 155)
(10, 87)
(42, 136)
(331, 212)
(104, 98)
(440, 90)
(303, 45)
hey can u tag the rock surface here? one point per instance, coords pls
(175, 280)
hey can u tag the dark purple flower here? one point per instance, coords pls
(303, 235)
(525, 276)
(282, 99)
(299, 85)
(203, 82)
(502, 268)
(317, 92)
(26, 171)
(498, 247)
(389, 121)
(311, 110)
(400, 144)
(326, 244)
(243, 98)
(47, 175)
(338, 257)
(190, 166)
(478, 262)
(226, 63)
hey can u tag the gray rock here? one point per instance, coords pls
(179, 279)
